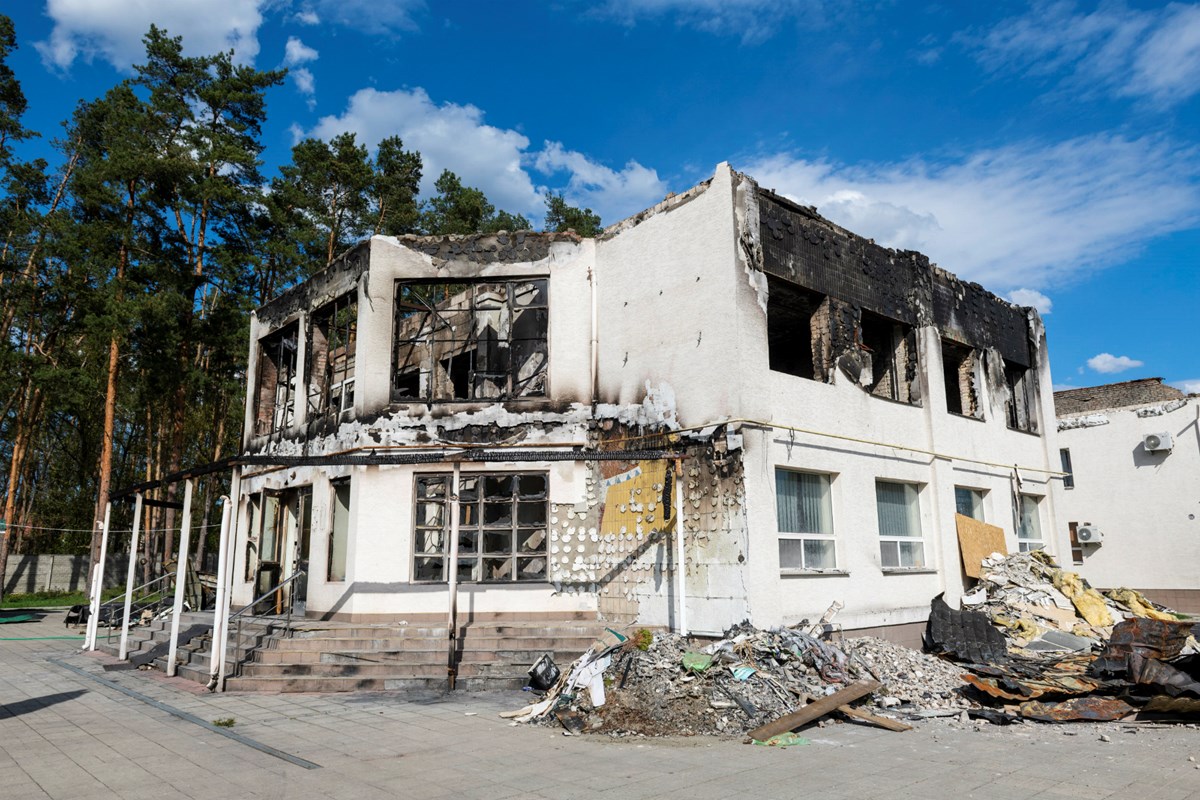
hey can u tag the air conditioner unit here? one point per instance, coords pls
(1089, 534)
(1157, 442)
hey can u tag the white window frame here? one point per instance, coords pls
(803, 536)
(914, 521)
(1026, 543)
(978, 495)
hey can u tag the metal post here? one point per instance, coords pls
(235, 492)
(452, 623)
(133, 546)
(681, 617)
(98, 583)
(185, 531)
(222, 547)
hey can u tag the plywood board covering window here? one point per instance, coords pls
(501, 527)
(484, 340)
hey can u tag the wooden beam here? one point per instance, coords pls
(815, 710)
(872, 719)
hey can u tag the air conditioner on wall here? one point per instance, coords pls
(1089, 534)
(1157, 442)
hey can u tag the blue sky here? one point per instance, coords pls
(1048, 150)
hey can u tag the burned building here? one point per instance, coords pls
(722, 408)
(1130, 499)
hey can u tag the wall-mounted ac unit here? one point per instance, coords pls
(1089, 534)
(1157, 442)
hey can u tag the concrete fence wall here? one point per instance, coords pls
(27, 574)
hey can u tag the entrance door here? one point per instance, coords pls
(286, 518)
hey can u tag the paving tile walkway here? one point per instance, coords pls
(68, 736)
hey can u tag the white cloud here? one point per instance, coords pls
(496, 160)
(304, 80)
(1022, 216)
(1110, 364)
(297, 52)
(448, 136)
(596, 186)
(1029, 297)
(752, 20)
(307, 17)
(369, 16)
(1188, 386)
(1151, 53)
(113, 29)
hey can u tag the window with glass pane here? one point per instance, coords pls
(968, 502)
(339, 532)
(805, 520)
(1029, 529)
(501, 527)
(900, 540)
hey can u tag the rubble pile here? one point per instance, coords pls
(1031, 642)
(1042, 643)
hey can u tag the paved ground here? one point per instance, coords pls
(65, 735)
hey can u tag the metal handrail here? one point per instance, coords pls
(238, 615)
(119, 600)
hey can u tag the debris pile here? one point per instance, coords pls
(1041, 642)
(1032, 642)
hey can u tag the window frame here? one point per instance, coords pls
(913, 492)
(284, 392)
(806, 536)
(424, 366)
(424, 502)
(978, 496)
(331, 552)
(1064, 456)
(1024, 542)
(332, 370)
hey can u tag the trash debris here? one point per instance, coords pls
(783, 740)
(544, 673)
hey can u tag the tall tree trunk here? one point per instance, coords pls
(26, 425)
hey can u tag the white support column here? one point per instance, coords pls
(452, 623)
(93, 622)
(219, 605)
(235, 493)
(680, 586)
(133, 547)
(185, 531)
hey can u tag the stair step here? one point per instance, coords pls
(324, 685)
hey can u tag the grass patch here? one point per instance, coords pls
(225, 722)
(53, 597)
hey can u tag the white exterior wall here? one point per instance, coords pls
(1146, 504)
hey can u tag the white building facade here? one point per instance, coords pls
(1132, 500)
(726, 382)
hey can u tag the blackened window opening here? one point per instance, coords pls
(470, 341)
(1017, 401)
(1069, 478)
(275, 406)
(501, 527)
(790, 313)
(958, 371)
(334, 339)
(891, 354)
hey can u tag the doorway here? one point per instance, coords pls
(284, 550)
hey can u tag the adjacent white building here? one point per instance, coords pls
(1132, 501)
(814, 408)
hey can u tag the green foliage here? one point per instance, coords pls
(225, 722)
(642, 639)
(561, 217)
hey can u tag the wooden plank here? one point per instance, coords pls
(814, 711)
(872, 719)
(976, 541)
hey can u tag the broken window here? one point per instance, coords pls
(333, 337)
(892, 355)
(791, 312)
(1076, 545)
(501, 527)
(470, 341)
(958, 370)
(275, 407)
(1064, 456)
(900, 541)
(805, 516)
(1018, 397)
(968, 502)
(1029, 523)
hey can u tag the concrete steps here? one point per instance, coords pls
(348, 657)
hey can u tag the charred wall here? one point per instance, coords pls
(800, 246)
